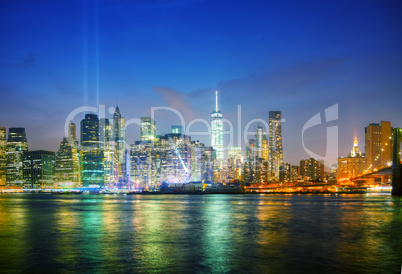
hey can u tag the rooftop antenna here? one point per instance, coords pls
(216, 95)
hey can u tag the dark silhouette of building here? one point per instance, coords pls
(38, 168)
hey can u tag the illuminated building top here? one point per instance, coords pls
(355, 150)
(217, 130)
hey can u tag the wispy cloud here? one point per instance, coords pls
(27, 61)
(177, 100)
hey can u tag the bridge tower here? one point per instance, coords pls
(396, 163)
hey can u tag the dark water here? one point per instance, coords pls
(201, 233)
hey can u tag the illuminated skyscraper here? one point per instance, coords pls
(105, 131)
(234, 162)
(72, 131)
(265, 149)
(249, 162)
(275, 143)
(3, 144)
(250, 151)
(285, 172)
(378, 145)
(148, 129)
(38, 167)
(290, 173)
(175, 152)
(352, 165)
(261, 156)
(312, 170)
(145, 160)
(217, 131)
(16, 145)
(259, 135)
(67, 171)
(209, 157)
(90, 130)
(197, 151)
(355, 150)
(108, 144)
(119, 135)
(92, 152)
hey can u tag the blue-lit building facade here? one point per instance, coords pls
(92, 174)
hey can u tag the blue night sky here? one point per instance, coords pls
(299, 57)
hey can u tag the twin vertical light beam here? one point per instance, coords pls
(86, 45)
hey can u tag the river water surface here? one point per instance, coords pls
(200, 233)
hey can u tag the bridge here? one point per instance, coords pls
(394, 170)
(380, 174)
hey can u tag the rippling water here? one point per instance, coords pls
(200, 233)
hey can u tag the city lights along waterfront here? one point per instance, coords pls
(174, 163)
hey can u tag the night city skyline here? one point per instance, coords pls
(297, 57)
(200, 136)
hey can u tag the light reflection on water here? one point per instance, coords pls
(201, 233)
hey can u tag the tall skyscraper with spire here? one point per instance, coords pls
(217, 130)
(351, 165)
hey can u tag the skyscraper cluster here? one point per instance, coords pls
(173, 158)
(264, 156)
(101, 157)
